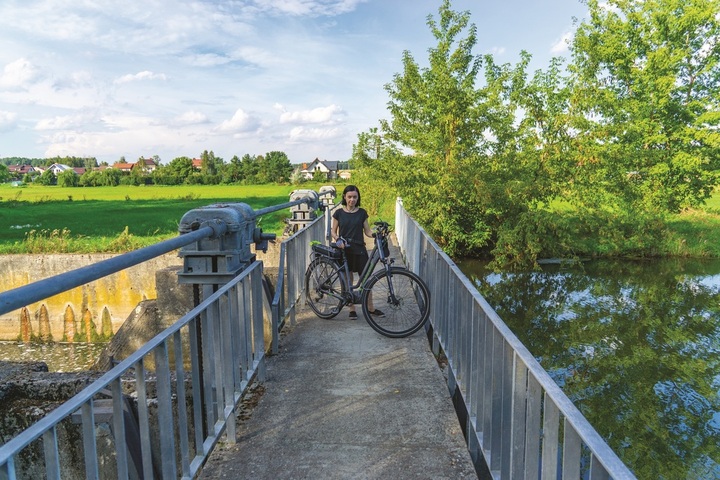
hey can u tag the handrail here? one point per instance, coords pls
(230, 329)
(19, 297)
(194, 372)
(285, 299)
(516, 413)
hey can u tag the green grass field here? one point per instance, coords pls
(37, 219)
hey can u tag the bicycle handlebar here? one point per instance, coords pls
(382, 228)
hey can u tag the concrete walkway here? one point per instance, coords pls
(342, 402)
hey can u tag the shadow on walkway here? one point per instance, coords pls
(341, 401)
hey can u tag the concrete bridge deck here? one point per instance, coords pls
(341, 401)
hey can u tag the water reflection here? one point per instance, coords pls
(634, 345)
(59, 357)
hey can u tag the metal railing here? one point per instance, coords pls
(167, 404)
(188, 381)
(520, 424)
(294, 258)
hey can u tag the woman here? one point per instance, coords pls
(351, 222)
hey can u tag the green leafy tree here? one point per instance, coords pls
(645, 78)
(46, 178)
(211, 168)
(91, 178)
(249, 167)
(276, 167)
(68, 178)
(4, 173)
(233, 173)
(178, 170)
(483, 159)
(435, 114)
(110, 177)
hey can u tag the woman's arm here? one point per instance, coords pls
(366, 229)
(335, 229)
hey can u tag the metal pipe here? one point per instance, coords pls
(31, 293)
(283, 206)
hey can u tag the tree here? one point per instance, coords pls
(68, 178)
(232, 173)
(276, 167)
(645, 78)
(91, 178)
(481, 161)
(435, 114)
(4, 173)
(178, 170)
(211, 167)
(46, 178)
(249, 167)
(110, 177)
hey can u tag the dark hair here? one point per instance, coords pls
(351, 188)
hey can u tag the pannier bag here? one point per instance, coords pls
(325, 251)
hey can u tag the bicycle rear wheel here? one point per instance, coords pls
(404, 299)
(324, 287)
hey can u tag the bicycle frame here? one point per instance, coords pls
(376, 256)
(330, 287)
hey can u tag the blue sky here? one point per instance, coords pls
(110, 79)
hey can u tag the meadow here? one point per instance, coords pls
(50, 219)
(41, 219)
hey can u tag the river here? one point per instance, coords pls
(634, 344)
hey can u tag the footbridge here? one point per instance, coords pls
(249, 384)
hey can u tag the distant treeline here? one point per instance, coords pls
(273, 167)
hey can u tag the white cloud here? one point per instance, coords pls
(327, 114)
(562, 45)
(19, 74)
(7, 119)
(63, 122)
(207, 60)
(304, 134)
(191, 118)
(140, 76)
(240, 122)
(110, 79)
(309, 7)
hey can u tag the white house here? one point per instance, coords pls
(330, 169)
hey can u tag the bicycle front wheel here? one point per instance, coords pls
(324, 287)
(403, 298)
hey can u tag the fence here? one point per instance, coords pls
(519, 422)
(294, 258)
(186, 383)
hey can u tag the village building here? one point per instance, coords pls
(328, 168)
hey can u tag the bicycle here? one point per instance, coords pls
(401, 294)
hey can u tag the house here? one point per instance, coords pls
(144, 165)
(197, 164)
(18, 171)
(330, 169)
(147, 165)
(123, 167)
(58, 168)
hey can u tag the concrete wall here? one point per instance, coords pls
(119, 293)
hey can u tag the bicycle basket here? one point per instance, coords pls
(330, 252)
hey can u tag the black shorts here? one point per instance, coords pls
(357, 259)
